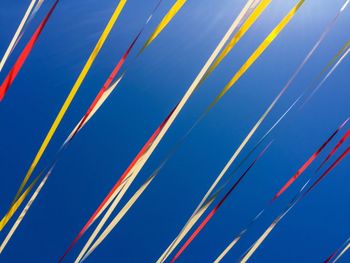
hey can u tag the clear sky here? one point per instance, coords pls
(151, 88)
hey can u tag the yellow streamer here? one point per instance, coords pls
(240, 33)
(257, 53)
(167, 18)
(71, 94)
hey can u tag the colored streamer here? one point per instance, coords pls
(26, 208)
(261, 239)
(308, 162)
(103, 94)
(215, 209)
(120, 215)
(333, 255)
(17, 204)
(17, 34)
(111, 195)
(240, 33)
(334, 59)
(25, 53)
(32, 15)
(267, 232)
(237, 238)
(257, 53)
(167, 18)
(337, 161)
(84, 252)
(341, 141)
(328, 75)
(342, 252)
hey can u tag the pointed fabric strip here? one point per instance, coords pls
(159, 134)
(334, 59)
(261, 239)
(240, 33)
(84, 252)
(262, 139)
(25, 53)
(120, 215)
(337, 161)
(116, 199)
(17, 204)
(103, 91)
(167, 18)
(341, 141)
(191, 223)
(215, 209)
(345, 249)
(308, 162)
(26, 208)
(130, 170)
(17, 34)
(72, 93)
(333, 255)
(328, 75)
(267, 232)
(32, 15)
(257, 53)
(237, 238)
(92, 110)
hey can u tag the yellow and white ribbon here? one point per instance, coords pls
(167, 18)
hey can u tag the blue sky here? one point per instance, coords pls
(153, 85)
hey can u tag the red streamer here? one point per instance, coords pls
(106, 84)
(308, 162)
(340, 158)
(341, 141)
